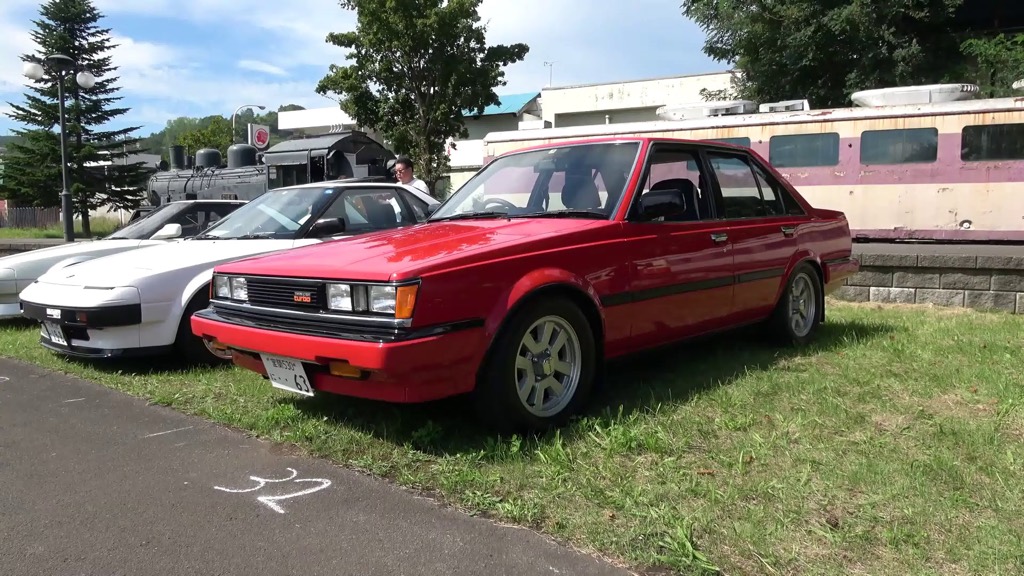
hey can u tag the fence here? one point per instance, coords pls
(30, 217)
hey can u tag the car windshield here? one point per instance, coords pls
(148, 225)
(275, 214)
(568, 181)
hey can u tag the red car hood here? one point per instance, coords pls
(406, 252)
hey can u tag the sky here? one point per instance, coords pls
(201, 57)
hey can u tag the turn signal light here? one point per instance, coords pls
(405, 301)
(344, 370)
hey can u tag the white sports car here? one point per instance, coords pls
(168, 222)
(140, 302)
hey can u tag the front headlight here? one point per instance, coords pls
(230, 288)
(239, 289)
(396, 301)
(221, 288)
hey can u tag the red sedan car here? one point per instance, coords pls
(549, 261)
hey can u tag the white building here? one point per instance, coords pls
(560, 106)
(622, 102)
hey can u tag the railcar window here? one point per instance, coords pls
(804, 150)
(899, 146)
(992, 142)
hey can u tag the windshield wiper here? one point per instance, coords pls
(254, 236)
(204, 237)
(567, 213)
(465, 215)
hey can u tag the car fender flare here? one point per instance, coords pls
(541, 279)
(198, 282)
(801, 256)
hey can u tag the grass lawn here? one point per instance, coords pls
(98, 226)
(895, 445)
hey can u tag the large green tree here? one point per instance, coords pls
(415, 65)
(188, 131)
(824, 50)
(33, 166)
(999, 61)
(215, 134)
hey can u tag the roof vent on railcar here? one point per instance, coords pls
(706, 109)
(910, 95)
(785, 106)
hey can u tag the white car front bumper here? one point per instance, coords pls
(87, 322)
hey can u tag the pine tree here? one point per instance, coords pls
(33, 174)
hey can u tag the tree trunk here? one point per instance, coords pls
(86, 231)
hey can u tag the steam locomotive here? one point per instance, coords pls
(249, 173)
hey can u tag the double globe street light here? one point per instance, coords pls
(60, 65)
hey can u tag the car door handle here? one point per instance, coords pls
(788, 231)
(719, 237)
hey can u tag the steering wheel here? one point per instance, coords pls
(501, 202)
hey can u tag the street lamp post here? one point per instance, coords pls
(239, 109)
(61, 65)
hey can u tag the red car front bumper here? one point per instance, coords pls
(415, 370)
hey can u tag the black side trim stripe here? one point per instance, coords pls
(663, 291)
(332, 330)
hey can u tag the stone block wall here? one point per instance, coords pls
(959, 280)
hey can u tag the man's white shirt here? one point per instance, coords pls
(419, 185)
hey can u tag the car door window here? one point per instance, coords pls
(418, 207)
(778, 200)
(742, 192)
(368, 209)
(671, 167)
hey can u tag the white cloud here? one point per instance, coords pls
(589, 41)
(260, 66)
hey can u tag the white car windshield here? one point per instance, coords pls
(577, 180)
(148, 225)
(274, 214)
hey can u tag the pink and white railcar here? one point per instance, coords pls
(921, 162)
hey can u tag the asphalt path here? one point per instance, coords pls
(96, 482)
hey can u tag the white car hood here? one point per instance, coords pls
(62, 251)
(133, 267)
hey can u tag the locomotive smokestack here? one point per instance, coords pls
(177, 156)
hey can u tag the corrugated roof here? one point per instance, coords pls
(510, 104)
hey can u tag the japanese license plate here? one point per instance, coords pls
(287, 374)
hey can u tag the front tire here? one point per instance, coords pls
(798, 315)
(540, 371)
(193, 348)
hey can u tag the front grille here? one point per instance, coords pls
(287, 294)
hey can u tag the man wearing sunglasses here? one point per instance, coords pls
(403, 171)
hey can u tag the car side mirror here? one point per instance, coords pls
(327, 227)
(662, 203)
(432, 208)
(167, 232)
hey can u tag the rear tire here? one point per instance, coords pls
(193, 348)
(540, 369)
(798, 313)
